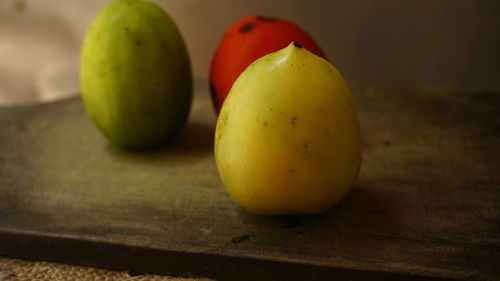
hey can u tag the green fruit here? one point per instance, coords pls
(135, 75)
(287, 140)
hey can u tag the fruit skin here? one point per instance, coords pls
(287, 140)
(135, 75)
(247, 40)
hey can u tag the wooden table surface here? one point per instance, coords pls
(426, 206)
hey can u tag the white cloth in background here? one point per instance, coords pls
(39, 49)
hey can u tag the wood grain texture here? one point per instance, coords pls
(426, 206)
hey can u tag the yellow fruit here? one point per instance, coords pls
(136, 75)
(287, 139)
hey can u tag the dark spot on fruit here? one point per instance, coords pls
(239, 239)
(133, 273)
(138, 42)
(126, 28)
(322, 109)
(281, 112)
(264, 124)
(247, 27)
(297, 44)
(270, 109)
(293, 121)
(291, 171)
(269, 19)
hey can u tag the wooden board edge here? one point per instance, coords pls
(180, 264)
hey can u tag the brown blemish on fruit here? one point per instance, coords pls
(247, 27)
(268, 19)
(305, 145)
(264, 124)
(222, 124)
(138, 42)
(293, 120)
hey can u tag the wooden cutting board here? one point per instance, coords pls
(426, 206)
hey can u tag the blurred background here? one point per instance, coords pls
(388, 43)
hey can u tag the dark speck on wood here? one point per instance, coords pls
(240, 239)
(292, 222)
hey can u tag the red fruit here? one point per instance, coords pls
(247, 40)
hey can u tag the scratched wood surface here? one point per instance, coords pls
(426, 206)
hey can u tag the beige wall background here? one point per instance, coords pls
(439, 43)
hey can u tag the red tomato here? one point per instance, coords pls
(247, 40)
